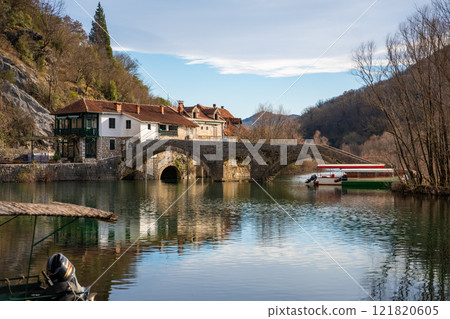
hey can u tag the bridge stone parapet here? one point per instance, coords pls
(254, 161)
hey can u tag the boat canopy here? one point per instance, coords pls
(54, 209)
(345, 166)
(368, 170)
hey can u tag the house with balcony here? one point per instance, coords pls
(93, 129)
(212, 122)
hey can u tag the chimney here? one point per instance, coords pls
(180, 106)
(118, 107)
(214, 106)
(222, 107)
(138, 109)
(162, 109)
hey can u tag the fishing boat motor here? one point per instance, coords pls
(62, 281)
(343, 178)
(312, 178)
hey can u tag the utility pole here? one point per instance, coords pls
(32, 146)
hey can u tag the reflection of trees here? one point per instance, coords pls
(420, 253)
(412, 234)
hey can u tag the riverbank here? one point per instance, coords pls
(106, 169)
(419, 189)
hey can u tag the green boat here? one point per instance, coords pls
(371, 178)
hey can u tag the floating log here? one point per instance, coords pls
(54, 209)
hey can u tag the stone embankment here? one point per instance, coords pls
(38, 172)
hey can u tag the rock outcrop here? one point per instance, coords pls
(14, 94)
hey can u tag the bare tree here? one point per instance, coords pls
(415, 94)
(129, 64)
(275, 124)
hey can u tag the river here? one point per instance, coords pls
(231, 241)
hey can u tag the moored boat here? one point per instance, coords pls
(60, 280)
(334, 174)
(376, 178)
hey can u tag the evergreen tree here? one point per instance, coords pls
(112, 92)
(99, 32)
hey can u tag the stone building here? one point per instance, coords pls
(92, 129)
(213, 122)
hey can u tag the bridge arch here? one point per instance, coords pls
(178, 158)
(170, 172)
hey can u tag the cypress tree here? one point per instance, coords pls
(99, 31)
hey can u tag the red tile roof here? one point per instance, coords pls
(204, 113)
(233, 125)
(148, 113)
(224, 113)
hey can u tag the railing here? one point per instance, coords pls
(82, 132)
(168, 133)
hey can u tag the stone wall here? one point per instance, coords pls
(103, 146)
(236, 173)
(101, 170)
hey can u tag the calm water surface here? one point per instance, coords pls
(229, 241)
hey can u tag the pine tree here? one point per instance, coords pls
(99, 33)
(112, 94)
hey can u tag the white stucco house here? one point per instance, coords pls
(93, 129)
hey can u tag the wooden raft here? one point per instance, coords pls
(54, 209)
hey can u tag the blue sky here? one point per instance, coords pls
(243, 53)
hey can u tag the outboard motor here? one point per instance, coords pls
(312, 178)
(62, 280)
(343, 178)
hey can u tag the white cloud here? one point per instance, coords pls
(269, 38)
(275, 67)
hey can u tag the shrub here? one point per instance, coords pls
(8, 75)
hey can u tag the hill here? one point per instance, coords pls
(250, 120)
(48, 61)
(345, 119)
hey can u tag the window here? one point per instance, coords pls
(128, 124)
(149, 126)
(91, 121)
(63, 124)
(201, 127)
(168, 130)
(112, 122)
(216, 117)
(207, 128)
(79, 123)
(112, 145)
(194, 115)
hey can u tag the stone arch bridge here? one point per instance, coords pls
(223, 160)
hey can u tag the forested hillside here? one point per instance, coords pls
(68, 63)
(346, 119)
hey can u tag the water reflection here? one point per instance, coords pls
(230, 242)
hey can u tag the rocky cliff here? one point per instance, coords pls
(13, 92)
